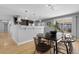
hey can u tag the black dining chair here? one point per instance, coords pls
(51, 36)
(66, 42)
(41, 46)
(54, 39)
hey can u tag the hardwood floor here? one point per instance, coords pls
(8, 46)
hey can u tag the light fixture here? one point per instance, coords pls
(19, 19)
(51, 6)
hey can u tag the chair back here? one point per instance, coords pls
(51, 35)
(41, 46)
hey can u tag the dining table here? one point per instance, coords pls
(60, 37)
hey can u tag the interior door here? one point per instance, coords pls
(1, 27)
(5, 27)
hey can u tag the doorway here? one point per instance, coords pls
(3, 27)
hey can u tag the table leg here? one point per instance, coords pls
(56, 47)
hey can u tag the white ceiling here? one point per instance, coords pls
(35, 11)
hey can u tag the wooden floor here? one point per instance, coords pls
(8, 46)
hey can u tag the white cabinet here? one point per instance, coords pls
(14, 33)
(25, 33)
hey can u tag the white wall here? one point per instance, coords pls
(4, 17)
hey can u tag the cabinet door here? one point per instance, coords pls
(24, 34)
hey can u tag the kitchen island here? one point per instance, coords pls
(22, 34)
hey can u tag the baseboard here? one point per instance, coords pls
(20, 43)
(13, 39)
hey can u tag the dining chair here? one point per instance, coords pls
(41, 46)
(67, 40)
(51, 36)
